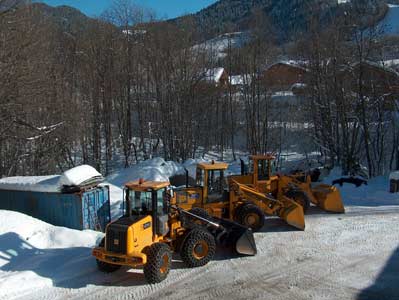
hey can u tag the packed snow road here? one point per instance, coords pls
(351, 256)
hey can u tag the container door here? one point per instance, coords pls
(96, 208)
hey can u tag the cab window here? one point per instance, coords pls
(217, 182)
(140, 202)
(199, 177)
(263, 170)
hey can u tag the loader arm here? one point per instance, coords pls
(285, 208)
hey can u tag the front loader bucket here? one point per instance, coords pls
(328, 198)
(237, 236)
(292, 213)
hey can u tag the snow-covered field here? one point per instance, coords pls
(349, 256)
(390, 24)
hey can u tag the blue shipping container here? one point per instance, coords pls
(84, 210)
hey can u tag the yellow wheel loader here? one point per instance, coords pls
(151, 229)
(225, 197)
(297, 187)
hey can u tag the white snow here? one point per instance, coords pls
(46, 184)
(390, 24)
(79, 175)
(36, 256)
(52, 183)
(336, 257)
(394, 175)
(214, 75)
(220, 44)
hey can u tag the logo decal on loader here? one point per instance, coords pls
(147, 225)
(116, 242)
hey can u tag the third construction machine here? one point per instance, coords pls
(297, 186)
(247, 198)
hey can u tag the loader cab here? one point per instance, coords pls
(148, 198)
(262, 168)
(211, 177)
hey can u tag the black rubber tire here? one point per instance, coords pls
(106, 267)
(246, 211)
(102, 243)
(197, 240)
(300, 198)
(157, 269)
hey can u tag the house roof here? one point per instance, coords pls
(214, 75)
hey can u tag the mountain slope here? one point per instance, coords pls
(286, 17)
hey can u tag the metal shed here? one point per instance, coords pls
(88, 209)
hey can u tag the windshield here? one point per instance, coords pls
(217, 183)
(141, 202)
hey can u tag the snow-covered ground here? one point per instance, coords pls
(349, 256)
(390, 24)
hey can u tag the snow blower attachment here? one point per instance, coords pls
(227, 233)
(151, 229)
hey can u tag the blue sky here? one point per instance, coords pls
(164, 8)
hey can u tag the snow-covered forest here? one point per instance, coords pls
(112, 91)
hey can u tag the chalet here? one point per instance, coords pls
(378, 79)
(216, 76)
(282, 76)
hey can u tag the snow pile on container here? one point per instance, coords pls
(81, 176)
(74, 179)
(45, 184)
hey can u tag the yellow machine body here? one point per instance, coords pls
(139, 234)
(239, 190)
(137, 239)
(262, 179)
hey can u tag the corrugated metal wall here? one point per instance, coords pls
(77, 211)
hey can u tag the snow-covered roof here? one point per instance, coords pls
(214, 75)
(377, 65)
(292, 63)
(240, 80)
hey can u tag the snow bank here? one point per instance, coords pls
(376, 193)
(156, 169)
(80, 176)
(42, 235)
(37, 256)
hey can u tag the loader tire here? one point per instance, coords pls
(159, 259)
(106, 267)
(251, 216)
(198, 248)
